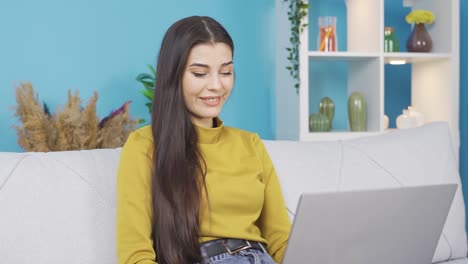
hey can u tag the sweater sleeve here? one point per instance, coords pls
(274, 221)
(134, 213)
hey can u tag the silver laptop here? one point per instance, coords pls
(386, 226)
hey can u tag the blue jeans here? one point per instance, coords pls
(247, 256)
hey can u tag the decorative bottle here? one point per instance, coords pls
(391, 43)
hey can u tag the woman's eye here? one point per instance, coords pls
(226, 73)
(199, 74)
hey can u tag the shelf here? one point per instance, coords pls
(311, 136)
(342, 55)
(429, 82)
(409, 57)
(412, 57)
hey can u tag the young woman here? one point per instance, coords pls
(191, 190)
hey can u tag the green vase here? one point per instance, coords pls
(357, 112)
(327, 108)
(318, 122)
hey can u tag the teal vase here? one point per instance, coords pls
(318, 122)
(327, 108)
(357, 112)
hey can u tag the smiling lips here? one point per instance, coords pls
(211, 100)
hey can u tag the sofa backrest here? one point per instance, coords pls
(59, 207)
(419, 156)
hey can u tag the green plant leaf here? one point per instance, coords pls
(148, 81)
(144, 76)
(149, 86)
(151, 68)
(149, 105)
(297, 10)
(148, 94)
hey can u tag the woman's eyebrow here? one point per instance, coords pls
(227, 63)
(199, 65)
(206, 66)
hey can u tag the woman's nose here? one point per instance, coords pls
(215, 83)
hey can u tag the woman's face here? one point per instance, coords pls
(207, 81)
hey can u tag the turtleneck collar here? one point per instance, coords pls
(210, 135)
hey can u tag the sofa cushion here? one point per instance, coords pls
(418, 156)
(58, 207)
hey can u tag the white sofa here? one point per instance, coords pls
(60, 207)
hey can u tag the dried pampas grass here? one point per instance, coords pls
(33, 134)
(71, 127)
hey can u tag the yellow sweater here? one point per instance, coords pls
(243, 189)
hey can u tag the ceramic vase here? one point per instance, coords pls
(409, 118)
(357, 112)
(418, 118)
(419, 39)
(318, 122)
(385, 121)
(327, 108)
(404, 120)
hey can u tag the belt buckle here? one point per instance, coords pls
(232, 252)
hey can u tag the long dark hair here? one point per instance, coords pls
(178, 167)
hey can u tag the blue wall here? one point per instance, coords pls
(101, 45)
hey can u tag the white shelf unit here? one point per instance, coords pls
(434, 76)
(414, 58)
